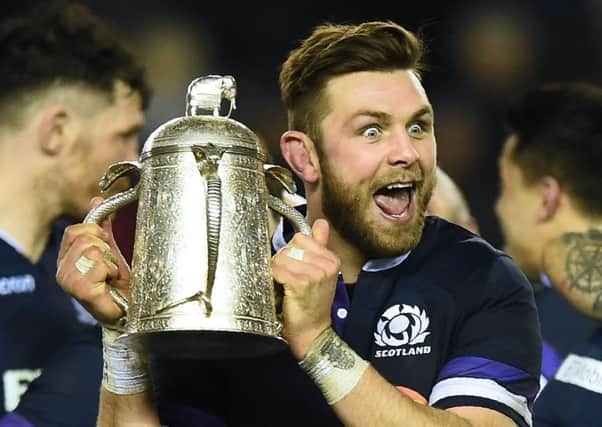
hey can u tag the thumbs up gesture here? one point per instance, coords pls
(307, 272)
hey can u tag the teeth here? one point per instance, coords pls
(399, 185)
(401, 215)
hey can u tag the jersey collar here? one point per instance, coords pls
(11, 241)
(382, 264)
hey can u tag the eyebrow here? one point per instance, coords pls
(426, 110)
(385, 117)
(379, 115)
(133, 130)
(129, 133)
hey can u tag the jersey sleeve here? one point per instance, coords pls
(13, 419)
(496, 352)
(67, 392)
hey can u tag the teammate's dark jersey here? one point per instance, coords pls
(574, 396)
(452, 323)
(562, 328)
(50, 350)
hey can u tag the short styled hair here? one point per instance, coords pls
(58, 45)
(333, 50)
(558, 130)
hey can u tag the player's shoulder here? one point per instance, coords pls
(445, 242)
(448, 237)
(454, 252)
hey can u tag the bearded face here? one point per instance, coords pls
(349, 209)
(377, 155)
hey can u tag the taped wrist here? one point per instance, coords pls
(333, 365)
(125, 371)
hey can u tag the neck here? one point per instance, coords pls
(569, 260)
(26, 211)
(560, 234)
(352, 260)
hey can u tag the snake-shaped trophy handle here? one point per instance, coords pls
(112, 204)
(279, 180)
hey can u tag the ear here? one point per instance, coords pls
(550, 198)
(52, 130)
(299, 152)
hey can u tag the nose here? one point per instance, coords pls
(402, 150)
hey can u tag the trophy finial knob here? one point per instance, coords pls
(207, 93)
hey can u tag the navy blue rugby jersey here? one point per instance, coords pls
(452, 323)
(50, 348)
(574, 396)
(562, 328)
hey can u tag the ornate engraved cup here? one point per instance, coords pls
(201, 283)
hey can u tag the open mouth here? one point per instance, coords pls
(395, 200)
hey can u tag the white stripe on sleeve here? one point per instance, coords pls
(481, 387)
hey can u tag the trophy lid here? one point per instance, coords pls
(203, 123)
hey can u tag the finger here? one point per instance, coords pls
(85, 256)
(86, 240)
(94, 250)
(111, 259)
(94, 295)
(95, 202)
(105, 224)
(304, 275)
(107, 228)
(73, 232)
(314, 269)
(79, 283)
(284, 277)
(83, 264)
(298, 284)
(320, 232)
(310, 245)
(119, 259)
(298, 260)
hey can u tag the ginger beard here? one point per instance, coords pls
(349, 209)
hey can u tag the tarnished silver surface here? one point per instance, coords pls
(200, 267)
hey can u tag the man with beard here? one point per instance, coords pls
(424, 310)
(435, 312)
(550, 211)
(71, 104)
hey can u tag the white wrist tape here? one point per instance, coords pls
(333, 365)
(125, 371)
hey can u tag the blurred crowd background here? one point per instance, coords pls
(481, 55)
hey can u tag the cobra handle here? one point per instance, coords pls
(112, 204)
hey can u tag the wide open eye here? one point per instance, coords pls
(371, 132)
(416, 129)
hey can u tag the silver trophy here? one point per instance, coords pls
(201, 284)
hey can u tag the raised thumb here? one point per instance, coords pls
(320, 231)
